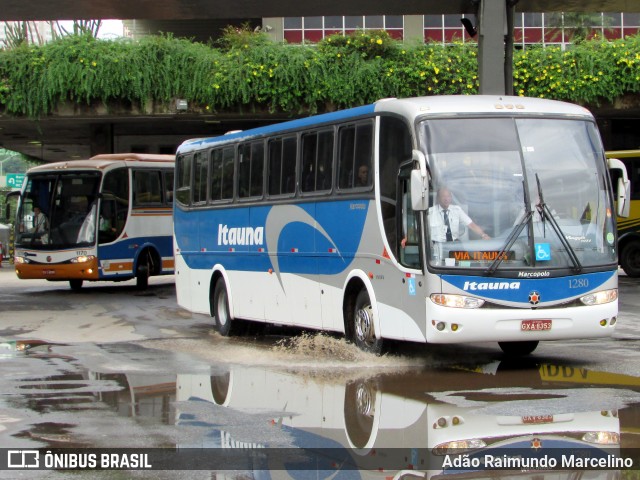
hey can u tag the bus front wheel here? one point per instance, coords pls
(75, 284)
(220, 308)
(143, 270)
(364, 335)
(630, 259)
(518, 348)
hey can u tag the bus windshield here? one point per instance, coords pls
(58, 211)
(518, 193)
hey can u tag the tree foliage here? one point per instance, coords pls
(247, 73)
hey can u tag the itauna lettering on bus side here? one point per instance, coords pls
(480, 255)
(240, 235)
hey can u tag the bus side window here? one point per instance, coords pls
(115, 187)
(147, 187)
(168, 187)
(355, 151)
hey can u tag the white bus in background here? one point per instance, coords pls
(106, 218)
(333, 222)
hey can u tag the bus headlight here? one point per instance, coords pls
(456, 301)
(598, 298)
(20, 260)
(602, 438)
(83, 259)
(458, 446)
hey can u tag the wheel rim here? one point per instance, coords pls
(364, 401)
(364, 324)
(221, 308)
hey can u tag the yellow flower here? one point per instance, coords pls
(379, 41)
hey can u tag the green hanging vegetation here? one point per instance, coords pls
(244, 72)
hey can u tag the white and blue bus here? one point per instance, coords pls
(106, 218)
(334, 222)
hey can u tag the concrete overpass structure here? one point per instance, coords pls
(83, 133)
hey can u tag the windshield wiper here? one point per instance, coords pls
(546, 214)
(513, 236)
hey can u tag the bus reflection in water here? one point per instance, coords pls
(378, 427)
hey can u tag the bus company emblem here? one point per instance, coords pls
(534, 298)
(240, 235)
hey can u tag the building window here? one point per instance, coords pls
(314, 29)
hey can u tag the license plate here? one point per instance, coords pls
(48, 272)
(537, 419)
(535, 325)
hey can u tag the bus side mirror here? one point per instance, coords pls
(623, 190)
(7, 207)
(419, 183)
(622, 196)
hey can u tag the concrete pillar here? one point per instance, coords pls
(274, 27)
(413, 29)
(492, 21)
(101, 138)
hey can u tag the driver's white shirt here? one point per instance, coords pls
(437, 227)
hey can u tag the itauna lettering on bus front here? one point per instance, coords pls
(481, 255)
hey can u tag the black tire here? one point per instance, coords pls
(364, 335)
(76, 284)
(630, 259)
(516, 349)
(143, 271)
(220, 309)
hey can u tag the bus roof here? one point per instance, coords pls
(411, 108)
(100, 162)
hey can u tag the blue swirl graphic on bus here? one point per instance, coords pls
(307, 239)
(288, 216)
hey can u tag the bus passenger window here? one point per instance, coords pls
(250, 169)
(222, 174)
(317, 161)
(148, 189)
(201, 177)
(355, 153)
(282, 165)
(183, 180)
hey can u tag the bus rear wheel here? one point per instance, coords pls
(364, 335)
(515, 349)
(630, 259)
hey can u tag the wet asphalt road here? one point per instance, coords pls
(114, 367)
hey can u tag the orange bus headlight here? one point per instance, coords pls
(598, 298)
(456, 301)
(83, 259)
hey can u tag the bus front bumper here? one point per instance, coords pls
(459, 325)
(58, 271)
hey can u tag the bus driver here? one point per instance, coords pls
(445, 219)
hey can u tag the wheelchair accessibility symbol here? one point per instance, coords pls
(543, 252)
(412, 286)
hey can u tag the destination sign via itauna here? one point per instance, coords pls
(481, 255)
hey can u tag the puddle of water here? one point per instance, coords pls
(314, 391)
